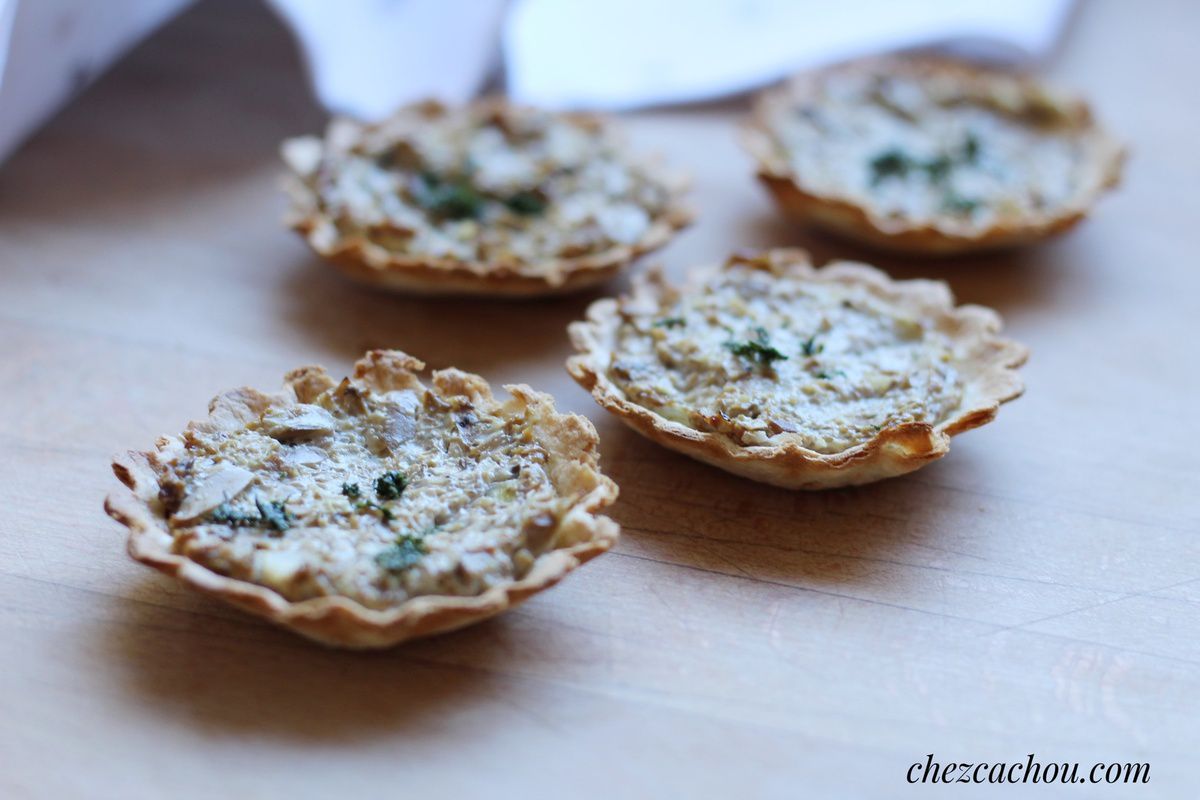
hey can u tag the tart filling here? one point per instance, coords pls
(488, 184)
(926, 142)
(378, 489)
(800, 377)
(757, 357)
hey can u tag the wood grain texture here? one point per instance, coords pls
(1036, 591)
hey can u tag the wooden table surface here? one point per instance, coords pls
(1037, 591)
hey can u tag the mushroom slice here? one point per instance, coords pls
(210, 489)
(299, 423)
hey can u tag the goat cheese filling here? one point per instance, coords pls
(484, 184)
(377, 497)
(922, 146)
(758, 357)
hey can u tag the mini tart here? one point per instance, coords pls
(374, 510)
(486, 199)
(926, 155)
(800, 377)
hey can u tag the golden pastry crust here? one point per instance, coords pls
(568, 458)
(568, 164)
(855, 210)
(984, 364)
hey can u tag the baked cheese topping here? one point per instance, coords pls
(919, 145)
(758, 356)
(487, 183)
(377, 497)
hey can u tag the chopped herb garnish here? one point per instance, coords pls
(384, 511)
(822, 375)
(456, 198)
(351, 490)
(809, 347)
(406, 552)
(448, 198)
(890, 164)
(226, 514)
(526, 203)
(272, 515)
(758, 349)
(390, 485)
(670, 322)
(895, 163)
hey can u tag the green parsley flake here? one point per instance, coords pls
(526, 203)
(226, 514)
(390, 485)
(454, 199)
(384, 512)
(758, 349)
(891, 163)
(404, 553)
(274, 514)
(270, 515)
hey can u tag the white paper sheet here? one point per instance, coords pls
(50, 49)
(620, 54)
(366, 57)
